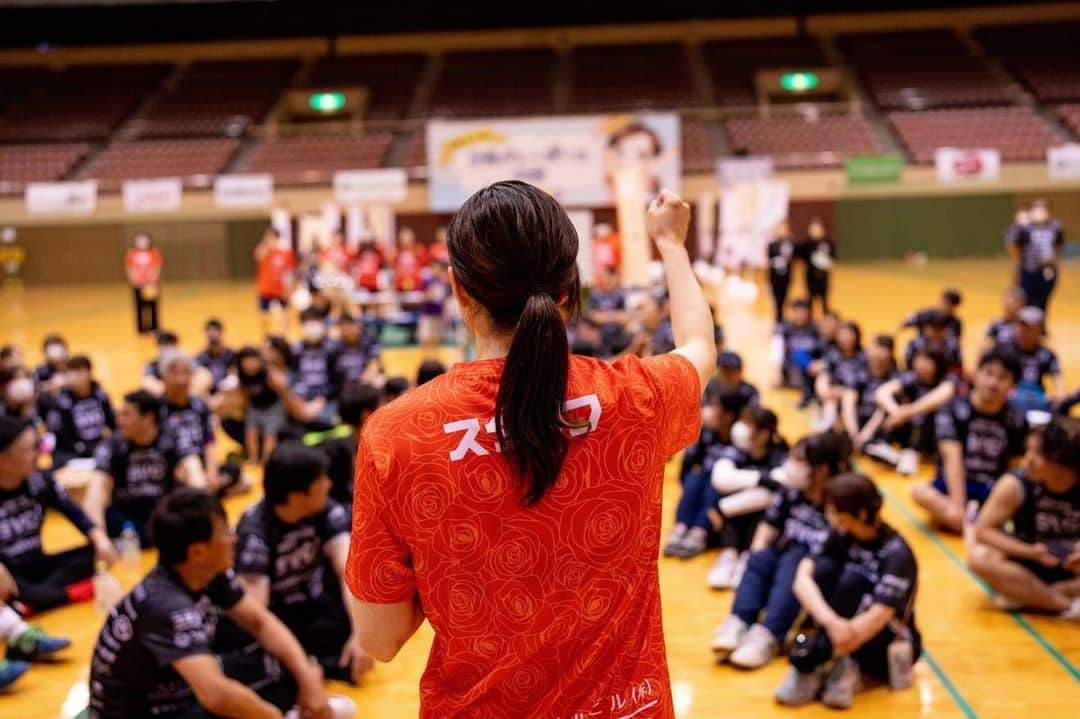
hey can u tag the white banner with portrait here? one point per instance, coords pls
(574, 158)
(749, 214)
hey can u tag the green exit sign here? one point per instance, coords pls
(327, 101)
(799, 81)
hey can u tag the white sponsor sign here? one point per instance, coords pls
(574, 158)
(959, 165)
(358, 187)
(160, 195)
(732, 170)
(1063, 161)
(238, 191)
(61, 198)
(749, 214)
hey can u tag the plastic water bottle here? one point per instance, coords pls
(901, 660)
(106, 589)
(129, 547)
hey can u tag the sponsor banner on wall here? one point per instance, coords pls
(358, 187)
(574, 158)
(733, 170)
(240, 191)
(749, 214)
(1063, 161)
(61, 198)
(873, 169)
(959, 165)
(160, 195)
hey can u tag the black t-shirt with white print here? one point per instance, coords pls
(869, 386)
(846, 371)
(801, 523)
(159, 622)
(79, 423)
(782, 252)
(292, 556)
(189, 425)
(22, 512)
(1039, 244)
(1045, 516)
(217, 364)
(988, 441)
(886, 562)
(804, 339)
(314, 368)
(1036, 365)
(141, 474)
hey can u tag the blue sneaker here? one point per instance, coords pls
(34, 644)
(10, 671)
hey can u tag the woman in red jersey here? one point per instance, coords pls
(515, 501)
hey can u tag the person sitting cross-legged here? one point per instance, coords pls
(1036, 565)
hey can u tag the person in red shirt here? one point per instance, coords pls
(142, 263)
(515, 501)
(408, 262)
(273, 277)
(607, 253)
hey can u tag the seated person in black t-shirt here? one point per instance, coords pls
(1037, 363)
(794, 525)
(859, 590)
(909, 401)
(186, 418)
(154, 656)
(858, 406)
(793, 345)
(607, 301)
(978, 437)
(290, 556)
(357, 358)
(80, 415)
(39, 580)
(49, 375)
(729, 377)
(358, 402)
(950, 302)
(152, 381)
(845, 369)
(828, 325)
(1036, 565)
(313, 375)
(934, 331)
(136, 467)
(1002, 331)
(217, 358)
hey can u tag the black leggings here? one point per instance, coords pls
(844, 590)
(43, 579)
(779, 288)
(146, 314)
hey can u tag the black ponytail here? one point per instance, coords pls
(514, 250)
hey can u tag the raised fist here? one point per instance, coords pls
(668, 219)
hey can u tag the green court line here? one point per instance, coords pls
(961, 702)
(1021, 622)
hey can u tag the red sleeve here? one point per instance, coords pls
(379, 569)
(677, 388)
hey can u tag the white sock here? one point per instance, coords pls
(11, 624)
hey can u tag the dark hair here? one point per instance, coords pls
(952, 297)
(514, 250)
(245, 352)
(832, 314)
(281, 346)
(311, 313)
(357, 398)
(936, 354)
(1004, 357)
(167, 338)
(214, 323)
(935, 318)
(53, 339)
(182, 518)
(395, 387)
(800, 304)
(8, 351)
(429, 370)
(292, 467)
(854, 494)
(144, 402)
(828, 449)
(1059, 442)
(345, 318)
(10, 429)
(854, 327)
(761, 418)
(885, 342)
(80, 362)
(728, 399)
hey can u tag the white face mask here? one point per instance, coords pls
(55, 352)
(797, 474)
(20, 390)
(742, 436)
(314, 331)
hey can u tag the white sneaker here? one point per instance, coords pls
(843, 682)
(882, 451)
(799, 689)
(824, 422)
(341, 707)
(722, 570)
(758, 648)
(740, 569)
(728, 636)
(1073, 612)
(908, 463)
(1008, 605)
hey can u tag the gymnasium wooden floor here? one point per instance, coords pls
(980, 662)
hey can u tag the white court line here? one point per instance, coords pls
(637, 711)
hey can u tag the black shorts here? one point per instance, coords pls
(1047, 574)
(266, 301)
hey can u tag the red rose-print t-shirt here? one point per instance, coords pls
(549, 611)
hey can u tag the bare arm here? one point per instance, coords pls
(691, 317)
(352, 654)
(98, 493)
(933, 400)
(1004, 500)
(952, 463)
(849, 411)
(885, 396)
(220, 695)
(256, 586)
(810, 597)
(868, 624)
(764, 536)
(383, 629)
(189, 472)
